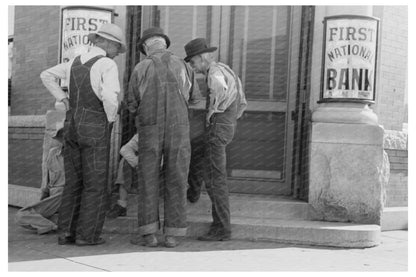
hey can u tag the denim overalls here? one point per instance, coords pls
(86, 155)
(163, 127)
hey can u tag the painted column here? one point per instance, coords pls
(348, 166)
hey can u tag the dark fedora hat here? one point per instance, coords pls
(196, 47)
(152, 32)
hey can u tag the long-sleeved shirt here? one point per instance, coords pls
(103, 76)
(143, 71)
(130, 150)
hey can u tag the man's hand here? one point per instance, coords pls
(44, 194)
(208, 118)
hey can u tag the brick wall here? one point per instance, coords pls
(35, 45)
(397, 189)
(25, 156)
(392, 84)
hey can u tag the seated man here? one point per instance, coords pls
(125, 175)
(40, 216)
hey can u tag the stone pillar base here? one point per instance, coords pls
(348, 172)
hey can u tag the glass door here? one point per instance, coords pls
(261, 44)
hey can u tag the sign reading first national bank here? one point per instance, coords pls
(350, 58)
(77, 23)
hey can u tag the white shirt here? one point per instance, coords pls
(222, 88)
(103, 76)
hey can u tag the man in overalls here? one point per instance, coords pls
(159, 89)
(91, 110)
(225, 103)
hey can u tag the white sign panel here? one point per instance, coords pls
(77, 23)
(350, 53)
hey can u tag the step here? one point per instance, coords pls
(306, 232)
(257, 217)
(245, 205)
(394, 218)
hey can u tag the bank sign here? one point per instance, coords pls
(350, 59)
(77, 23)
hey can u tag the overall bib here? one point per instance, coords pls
(163, 127)
(86, 155)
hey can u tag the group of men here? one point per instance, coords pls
(160, 89)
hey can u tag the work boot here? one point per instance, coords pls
(81, 242)
(216, 235)
(66, 238)
(149, 240)
(193, 195)
(117, 211)
(171, 242)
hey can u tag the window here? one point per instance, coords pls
(259, 50)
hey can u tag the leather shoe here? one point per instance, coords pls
(117, 211)
(192, 195)
(81, 242)
(171, 242)
(66, 239)
(150, 240)
(215, 236)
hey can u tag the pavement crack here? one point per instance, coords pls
(68, 259)
(102, 269)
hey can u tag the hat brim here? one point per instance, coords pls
(144, 38)
(199, 52)
(93, 37)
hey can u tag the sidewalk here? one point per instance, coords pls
(30, 252)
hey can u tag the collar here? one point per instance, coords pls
(209, 66)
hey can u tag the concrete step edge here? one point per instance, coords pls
(247, 206)
(321, 233)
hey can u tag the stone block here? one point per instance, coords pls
(19, 136)
(399, 160)
(348, 172)
(401, 153)
(397, 166)
(395, 219)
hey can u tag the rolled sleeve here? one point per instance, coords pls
(217, 91)
(110, 89)
(49, 79)
(129, 151)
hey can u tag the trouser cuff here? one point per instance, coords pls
(46, 229)
(176, 232)
(148, 229)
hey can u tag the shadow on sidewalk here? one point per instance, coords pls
(25, 245)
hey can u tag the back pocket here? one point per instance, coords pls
(92, 124)
(224, 133)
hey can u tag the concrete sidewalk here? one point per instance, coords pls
(30, 252)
